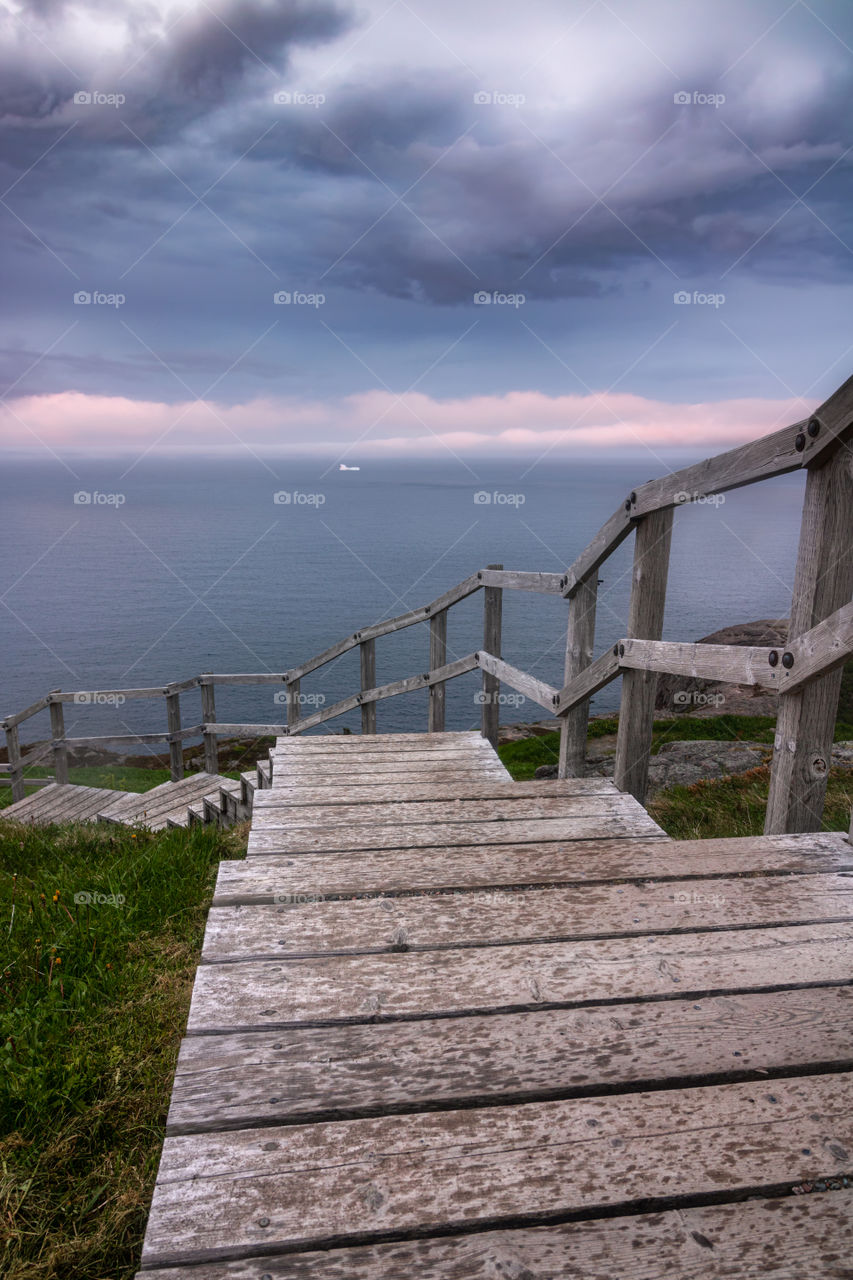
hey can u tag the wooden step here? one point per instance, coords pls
(329, 1073)
(630, 823)
(65, 802)
(800, 1238)
(495, 917)
(259, 1190)
(250, 995)
(286, 794)
(261, 879)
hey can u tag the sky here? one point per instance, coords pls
(421, 227)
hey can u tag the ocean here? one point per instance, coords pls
(114, 578)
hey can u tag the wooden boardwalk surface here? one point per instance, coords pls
(452, 1027)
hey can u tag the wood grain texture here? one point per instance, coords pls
(823, 583)
(260, 879)
(224, 1194)
(300, 926)
(289, 993)
(645, 622)
(778, 1239)
(437, 658)
(278, 1077)
(492, 614)
(580, 646)
(403, 813)
(735, 664)
(534, 690)
(286, 796)
(508, 831)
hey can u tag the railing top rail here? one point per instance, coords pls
(804, 444)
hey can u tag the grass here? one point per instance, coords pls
(93, 1002)
(736, 806)
(524, 758)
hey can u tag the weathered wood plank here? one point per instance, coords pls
(737, 664)
(536, 690)
(12, 721)
(410, 684)
(580, 642)
(823, 583)
(365, 780)
(57, 733)
(437, 834)
(490, 708)
(437, 658)
(284, 796)
(367, 665)
(261, 879)
(464, 1168)
(254, 995)
(350, 740)
(275, 1077)
(385, 743)
(462, 589)
(587, 682)
(298, 926)
(404, 813)
(518, 580)
(778, 1239)
(820, 650)
(645, 622)
(208, 715)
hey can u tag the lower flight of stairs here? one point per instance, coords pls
(202, 798)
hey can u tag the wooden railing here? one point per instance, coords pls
(806, 673)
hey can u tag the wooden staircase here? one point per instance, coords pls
(200, 798)
(447, 1026)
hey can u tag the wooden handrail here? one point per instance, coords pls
(816, 649)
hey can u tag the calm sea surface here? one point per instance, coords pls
(183, 566)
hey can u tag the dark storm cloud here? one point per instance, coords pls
(171, 75)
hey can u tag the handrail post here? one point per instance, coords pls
(580, 643)
(367, 655)
(208, 716)
(437, 658)
(645, 622)
(823, 582)
(173, 723)
(59, 744)
(492, 603)
(291, 689)
(16, 771)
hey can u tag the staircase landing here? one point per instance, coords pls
(451, 1026)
